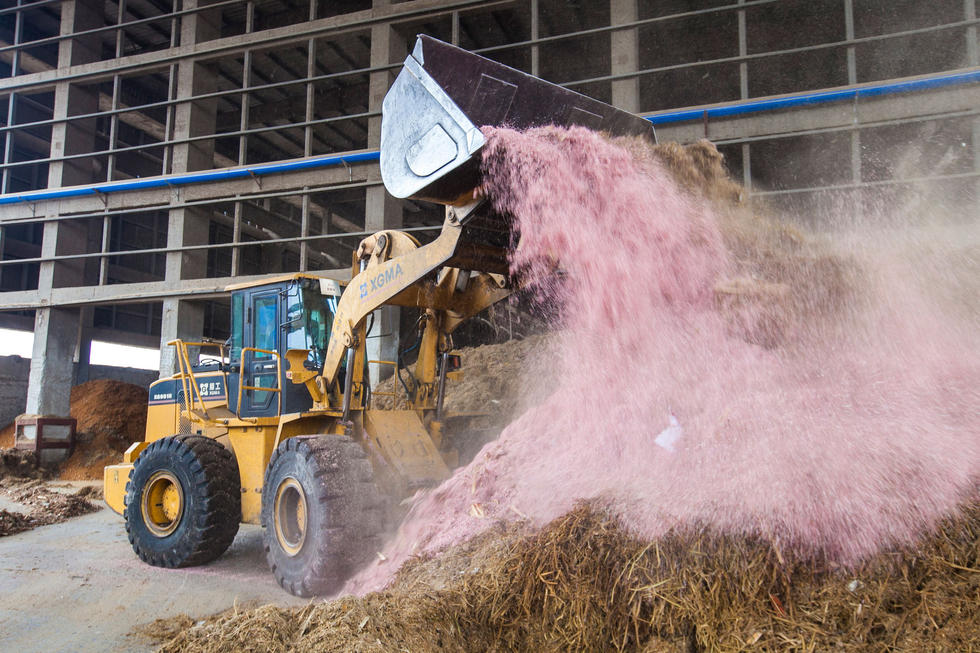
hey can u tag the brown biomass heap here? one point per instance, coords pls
(584, 583)
(43, 504)
(110, 416)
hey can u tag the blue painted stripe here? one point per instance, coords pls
(193, 178)
(820, 97)
(755, 106)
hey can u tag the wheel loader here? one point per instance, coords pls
(277, 425)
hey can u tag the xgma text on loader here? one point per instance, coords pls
(278, 429)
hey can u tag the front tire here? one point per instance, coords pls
(321, 511)
(183, 502)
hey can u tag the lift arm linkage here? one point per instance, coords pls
(377, 284)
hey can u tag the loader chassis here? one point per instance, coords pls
(279, 428)
(282, 377)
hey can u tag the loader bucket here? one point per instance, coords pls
(430, 136)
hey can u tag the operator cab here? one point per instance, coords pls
(292, 312)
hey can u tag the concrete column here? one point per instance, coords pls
(56, 331)
(856, 176)
(972, 45)
(381, 211)
(535, 34)
(973, 59)
(184, 319)
(181, 319)
(624, 55)
(387, 46)
(743, 83)
(50, 380)
(743, 50)
(84, 346)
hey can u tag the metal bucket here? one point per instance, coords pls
(430, 136)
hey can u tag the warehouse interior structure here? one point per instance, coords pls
(108, 105)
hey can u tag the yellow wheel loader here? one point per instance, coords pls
(277, 426)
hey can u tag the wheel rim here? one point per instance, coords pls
(290, 516)
(162, 503)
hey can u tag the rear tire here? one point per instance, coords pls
(183, 502)
(321, 511)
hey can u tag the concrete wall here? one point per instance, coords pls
(14, 371)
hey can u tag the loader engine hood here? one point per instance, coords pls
(430, 136)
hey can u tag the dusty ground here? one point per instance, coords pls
(77, 586)
(73, 583)
(583, 583)
(29, 503)
(110, 415)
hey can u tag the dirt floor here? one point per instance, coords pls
(583, 583)
(69, 577)
(77, 586)
(110, 415)
(71, 582)
(36, 502)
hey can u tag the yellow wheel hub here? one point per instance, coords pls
(162, 503)
(290, 516)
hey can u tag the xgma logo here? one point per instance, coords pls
(381, 280)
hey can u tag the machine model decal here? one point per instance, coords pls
(166, 391)
(212, 389)
(380, 280)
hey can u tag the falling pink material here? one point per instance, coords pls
(838, 449)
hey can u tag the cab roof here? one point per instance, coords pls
(265, 280)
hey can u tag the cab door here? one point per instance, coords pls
(260, 369)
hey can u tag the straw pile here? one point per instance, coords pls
(780, 278)
(110, 416)
(44, 505)
(583, 583)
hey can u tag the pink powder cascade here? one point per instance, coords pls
(855, 440)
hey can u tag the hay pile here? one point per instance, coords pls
(585, 584)
(7, 435)
(492, 379)
(110, 416)
(499, 381)
(20, 463)
(782, 280)
(45, 506)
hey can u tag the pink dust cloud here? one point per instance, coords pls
(845, 443)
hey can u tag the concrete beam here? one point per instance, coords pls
(52, 361)
(324, 27)
(824, 116)
(217, 191)
(26, 62)
(625, 55)
(138, 293)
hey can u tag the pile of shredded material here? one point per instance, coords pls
(598, 577)
(110, 416)
(20, 463)
(43, 505)
(584, 583)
